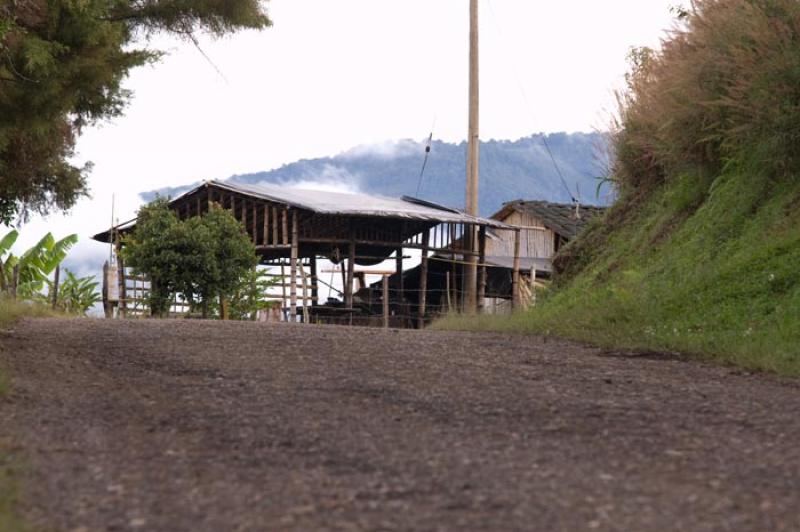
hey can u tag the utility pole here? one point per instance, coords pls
(473, 157)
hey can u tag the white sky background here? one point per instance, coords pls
(329, 76)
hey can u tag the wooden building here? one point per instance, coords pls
(542, 229)
(292, 228)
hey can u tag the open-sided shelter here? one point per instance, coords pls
(303, 225)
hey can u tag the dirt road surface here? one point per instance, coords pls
(208, 426)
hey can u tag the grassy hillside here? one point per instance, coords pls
(721, 281)
(701, 255)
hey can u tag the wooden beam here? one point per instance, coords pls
(293, 269)
(481, 268)
(423, 280)
(285, 223)
(314, 282)
(123, 306)
(275, 236)
(515, 273)
(255, 223)
(399, 271)
(265, 239)
(385, 301)
(351, 263)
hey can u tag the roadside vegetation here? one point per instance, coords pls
(208, 261)
(700, 253)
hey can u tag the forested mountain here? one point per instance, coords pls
(509, 170)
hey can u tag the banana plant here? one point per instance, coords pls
(76, 295)
(35, 265)
(5, 246)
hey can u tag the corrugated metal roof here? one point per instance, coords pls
(347, 204)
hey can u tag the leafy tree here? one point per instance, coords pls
(62, 63)
(154, 248)
(201, 259)
(249, 297)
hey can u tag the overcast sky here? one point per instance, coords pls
(331, 75)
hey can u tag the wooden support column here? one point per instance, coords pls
(399, 270)
(351, 264)
(385, 301)
(515, 273)
(55, 287)
(123, 296)
(285, 223)
(244, 214)
(265, 240)
(275, 236)
(314, 282)
(423, 281)
(255, 223)
(293, 269)
(481, 268)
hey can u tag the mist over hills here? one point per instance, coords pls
(509, 170)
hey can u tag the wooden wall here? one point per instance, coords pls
(533, 243)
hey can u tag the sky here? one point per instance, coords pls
(330, 76)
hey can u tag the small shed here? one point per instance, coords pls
(544, 226)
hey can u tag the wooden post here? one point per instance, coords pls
(293, 270)
(447, 290)
(533, 285)
(305, 292)
(314, 282)
(515, 273)
(123, 296)
(14, 281)
(399, 271)
(285, 223)
(481, 269)
(265, 240)
(283, 291)
(255, 223)
(55, 286)
(470, 269)
(244, 214)
(423, 280)
(106, 303)
(385, 301)
(223, 307)
(275, 237)
(351, 263)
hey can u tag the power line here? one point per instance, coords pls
(528, 105)
(424, 163)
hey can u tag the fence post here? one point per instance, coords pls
(14, 282)
(515, 299)
(423, 281)
(385, 301)
(55, 286)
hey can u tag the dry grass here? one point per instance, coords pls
(11, 311)
(726, 82)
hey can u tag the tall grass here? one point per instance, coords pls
(11, 311)
(700, 254)
(726, 82)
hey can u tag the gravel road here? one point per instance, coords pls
(217, 426)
